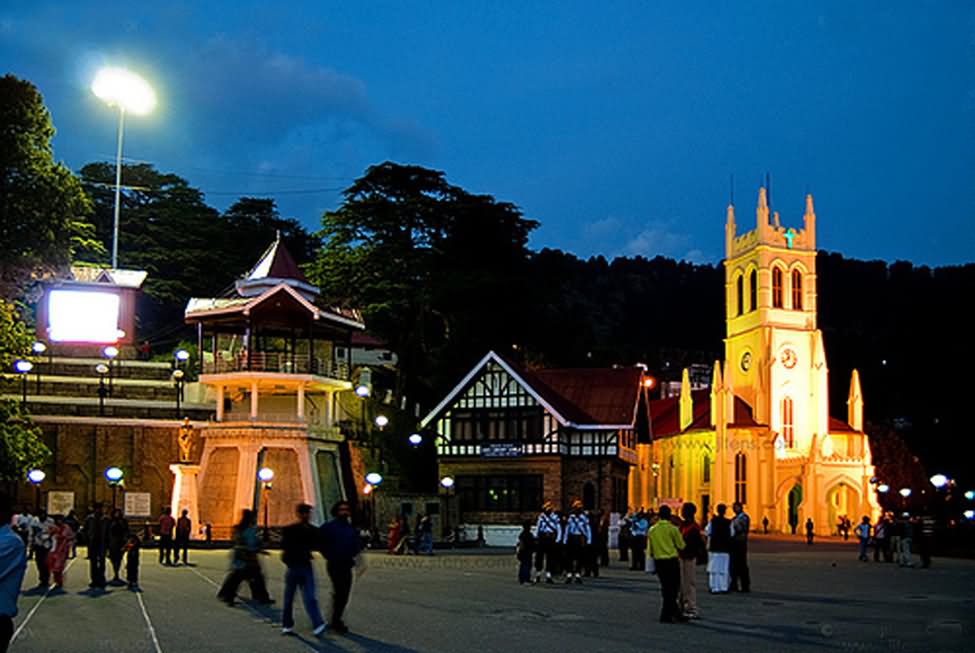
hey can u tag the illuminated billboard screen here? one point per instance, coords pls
(82, 316)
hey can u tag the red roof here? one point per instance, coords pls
(593, 395)
(840, 426)
(665, 414)
(276, 263)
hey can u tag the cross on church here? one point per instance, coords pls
(789, 235)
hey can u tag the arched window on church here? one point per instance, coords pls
(796, 290)
(776, 287)
(741, 294)
(753, 290)
(741, 494)
(706, 469)
(788, 424)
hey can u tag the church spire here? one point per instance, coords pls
(716, 388)
(809, 221)
(686, 403)
(729, 231)
(854, 403)
(761, 211)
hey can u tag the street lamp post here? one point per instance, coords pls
(22, 367)
(373, 479)
(38, 348)
(178, 380)
(265, 475)
(110, 353)
(36, 477)
(447, 483)
(114, 476)
(123, 89)
(102, 370)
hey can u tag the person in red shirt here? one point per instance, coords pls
(166, 527)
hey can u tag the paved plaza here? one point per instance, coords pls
(818, 599)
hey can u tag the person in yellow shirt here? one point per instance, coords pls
(664, 541)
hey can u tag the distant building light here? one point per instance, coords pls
(939, 481)
(35, 476)
(905, 492)
(883, 488)
(39, 347)
(182, 355)
(969, 514)
(374, 478)
(416, 439)
(381, 421)
(970, 495)
(447, 482)
(23, 367)
(110, 351)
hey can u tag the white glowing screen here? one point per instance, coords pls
(82, 316)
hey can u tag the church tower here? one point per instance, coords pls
(773, 348)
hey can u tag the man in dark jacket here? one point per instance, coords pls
(340, 546)
(96, 527)
(298, 541)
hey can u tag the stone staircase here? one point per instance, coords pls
(69, 386)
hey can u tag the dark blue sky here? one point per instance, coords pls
(616, 126)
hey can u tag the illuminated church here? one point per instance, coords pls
(762, 433)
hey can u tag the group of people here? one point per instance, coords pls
(49, 541)
(671, 547)
(399, 539)
(895, 539)
(337, 541)
(571, 545)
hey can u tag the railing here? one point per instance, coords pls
(260, 361)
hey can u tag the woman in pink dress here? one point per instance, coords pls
(63, 539)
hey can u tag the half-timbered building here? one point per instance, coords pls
(513, 438)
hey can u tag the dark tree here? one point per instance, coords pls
(43, 209)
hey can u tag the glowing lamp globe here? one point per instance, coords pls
(381, 421)
(905, 492)
(124, 89)
(114, 474)
(101, 368)
(969, 514)
(23, 367)
(416, 439)
(374, 478)
(39, 347)
(970, 495)
(35, 476)
(362, 391)
(939, 481)
(883, 488)
(265, 474)
(447, 482)
(182, 355)
(110, 351)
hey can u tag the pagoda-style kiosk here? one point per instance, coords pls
(275, 361)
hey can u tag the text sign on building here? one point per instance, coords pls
(501, 450)
(60, 503)
(138, 504)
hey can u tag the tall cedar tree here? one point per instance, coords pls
(43, 209)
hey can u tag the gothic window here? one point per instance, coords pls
(741, 495)
(753, 290)
(741, 294)
(788, 424)
(776, 287)
(706, 469)
(796, 290)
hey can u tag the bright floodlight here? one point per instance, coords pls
(970, 495)
(110, 351)
(905, 492)
(969, 514)
(447, 482)
(23, 367)
(939, 481)
(35, 476)
(381, 421)
(82, 316)
(374, 478)
(265, 474)
(123, 88)
(416, 439)
(114, 474)
(182, 355)
(883, 488)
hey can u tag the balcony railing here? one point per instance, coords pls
(260, 361)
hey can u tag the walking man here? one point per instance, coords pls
(863, 535)
(13, 564)
(298, 541)
(340, 545)
(810, 531)
(183, 529)
(96, 531)
(576, 538)
(548, 530)
(740, 525)
(664, 544)
(166, 527)
(41, 543)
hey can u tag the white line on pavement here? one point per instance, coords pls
(152, 630)
(30, 614)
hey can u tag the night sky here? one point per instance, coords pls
(616, 125)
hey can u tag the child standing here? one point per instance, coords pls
(132, 561)
(524, 552)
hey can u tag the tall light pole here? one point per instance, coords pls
(114, 476)
(22, 367)
(36, 477)
(265, 475)
(121, 88)
(447, 483)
